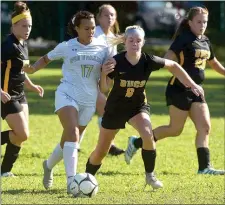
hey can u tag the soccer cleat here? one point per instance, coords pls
(7, 174)
(153, 181)
(131, 149)
(212, 171)
(115, 151)
(48, 176)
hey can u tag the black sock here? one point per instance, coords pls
(11, 155)
(115, 151)
(203, 157)
(5, 137)
(138, 143)
(149, 157)
(92, 169)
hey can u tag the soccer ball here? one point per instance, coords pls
(83, 185)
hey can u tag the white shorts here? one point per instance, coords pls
(62, 99)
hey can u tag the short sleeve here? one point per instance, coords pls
(212, 55)
(57, 52)
(6, 52)
(178, 45)
(155, 62)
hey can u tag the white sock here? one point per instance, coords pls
(55, 157)
(99, 122)
(70, 157)
(81, 136)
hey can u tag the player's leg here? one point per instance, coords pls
(105, 139)
(179, 103)
(15, 137)
(175, 127)
(141, 122)
(70, 139)
(100, 105)
(199, 114)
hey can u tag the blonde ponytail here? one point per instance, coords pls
(114, 41)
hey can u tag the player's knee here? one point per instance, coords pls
(72, 133)
(22, 135)
(205, 128)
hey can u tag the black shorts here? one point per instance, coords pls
(12, 106)
(117, 119)
(181, 99)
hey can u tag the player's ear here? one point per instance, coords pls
(76, 29)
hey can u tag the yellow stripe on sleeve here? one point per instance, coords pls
(7, 73)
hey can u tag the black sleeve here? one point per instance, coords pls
(178, 45)
(155, 62)
(212, 55)
(4, 52)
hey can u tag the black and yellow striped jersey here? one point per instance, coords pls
(192, 54)
(128, 90)
(14, 56)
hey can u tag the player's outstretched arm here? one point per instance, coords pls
(41, 63)
(217, 66)
(183, 77)
(35, 88)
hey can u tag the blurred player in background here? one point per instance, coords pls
(108, 28)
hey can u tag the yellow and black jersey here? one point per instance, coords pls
(14, 56)
(192, 54)
(128, 90)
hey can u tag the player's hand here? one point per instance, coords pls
(108, 67)
(5, 97)
(112, 60)
(39, 90)
(198, 90)
(28, 69)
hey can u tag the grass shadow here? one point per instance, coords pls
(110, 173)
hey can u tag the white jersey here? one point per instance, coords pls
(81, 68)
(101, 35)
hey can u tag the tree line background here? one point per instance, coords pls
(50, 18)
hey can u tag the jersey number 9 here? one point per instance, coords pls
(130, 92)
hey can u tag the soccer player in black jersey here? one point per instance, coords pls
(192, 49)
(14, 108)
(127, 102)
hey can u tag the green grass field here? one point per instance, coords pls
(119, 183)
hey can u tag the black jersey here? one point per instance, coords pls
(14, 56)
(192, 54)
(129, 81)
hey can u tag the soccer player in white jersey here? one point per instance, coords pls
(108, 28)
(75, 97)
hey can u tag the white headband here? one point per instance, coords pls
(132, 31)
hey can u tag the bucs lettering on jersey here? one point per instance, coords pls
(192, 54)
(14, 56)
(130, 80)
